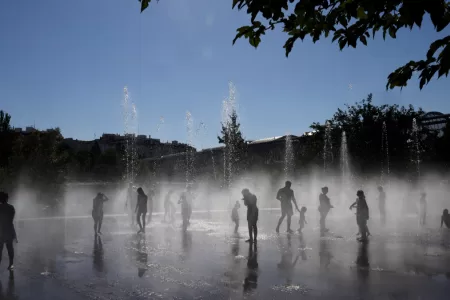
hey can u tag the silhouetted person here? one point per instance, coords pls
(423, 209)
(168, 206)
(235, 216)
(382, 204)
(251, 278)
(98, 254)
(302, 220)
(252, 214)
(286, 196)
(186, 209)
(445, 219)
(130, 202)
(141, 209)
(97, 212)
(324, 208)
(362, 214)
(7, 231)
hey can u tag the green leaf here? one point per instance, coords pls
(254, 40)
(392, 31)
(235, 2)
(363, 40)
(342, 43)
(144, 4)
(361, 13)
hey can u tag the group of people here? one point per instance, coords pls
(286, 197)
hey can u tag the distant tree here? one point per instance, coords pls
(363, 124)
(350, 21)
(5, 119)
(235, 145)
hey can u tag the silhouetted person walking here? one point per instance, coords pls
(141, 209)
(423, 209)
(382, 204)
(7, 231)
(97, 212)
(324, 208)
(445, 219)
(252, 215)
(235, 216)
(286, 196)
(362, 214)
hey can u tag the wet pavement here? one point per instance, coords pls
(61, 259)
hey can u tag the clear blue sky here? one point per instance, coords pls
(65, 63)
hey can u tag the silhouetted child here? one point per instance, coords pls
(445, 219)
(302, 220)
(235, 216)
(362, 214)
(423, 208)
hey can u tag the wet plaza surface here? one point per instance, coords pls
(61, 259)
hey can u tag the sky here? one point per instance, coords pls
(65, 64)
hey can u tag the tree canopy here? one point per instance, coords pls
(350, 22)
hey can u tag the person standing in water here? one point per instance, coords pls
(97, 212)
(286, 196)
(324, 208)
(382, 204)
(7, 230)
(302, 220)
(362, 214)
(141, 209)
(423, 209)
(252, 215)
(235, 216)
(445, 219)
(186, 208)
(167, 206)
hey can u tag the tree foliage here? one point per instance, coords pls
(350, 22)
(235, 145)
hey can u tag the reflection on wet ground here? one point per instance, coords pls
(61, 259)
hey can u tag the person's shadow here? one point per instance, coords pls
(98, 255)
(251, 279)
(325, 255)
(186, 244)
(362, 261)
(302, 242)
(10, 290)
(142, 256)
(287, 263)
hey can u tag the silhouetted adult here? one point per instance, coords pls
(382, 204)
(97, 211)
(286, 196)
(7, 231)
(362, 214)
(252, 215)
(141, 209)
(324, 208)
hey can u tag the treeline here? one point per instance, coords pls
(41, 160)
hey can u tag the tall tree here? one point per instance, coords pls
(235, 145)
(350, 21)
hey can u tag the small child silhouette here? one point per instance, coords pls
(302, 220)
(235, 216)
